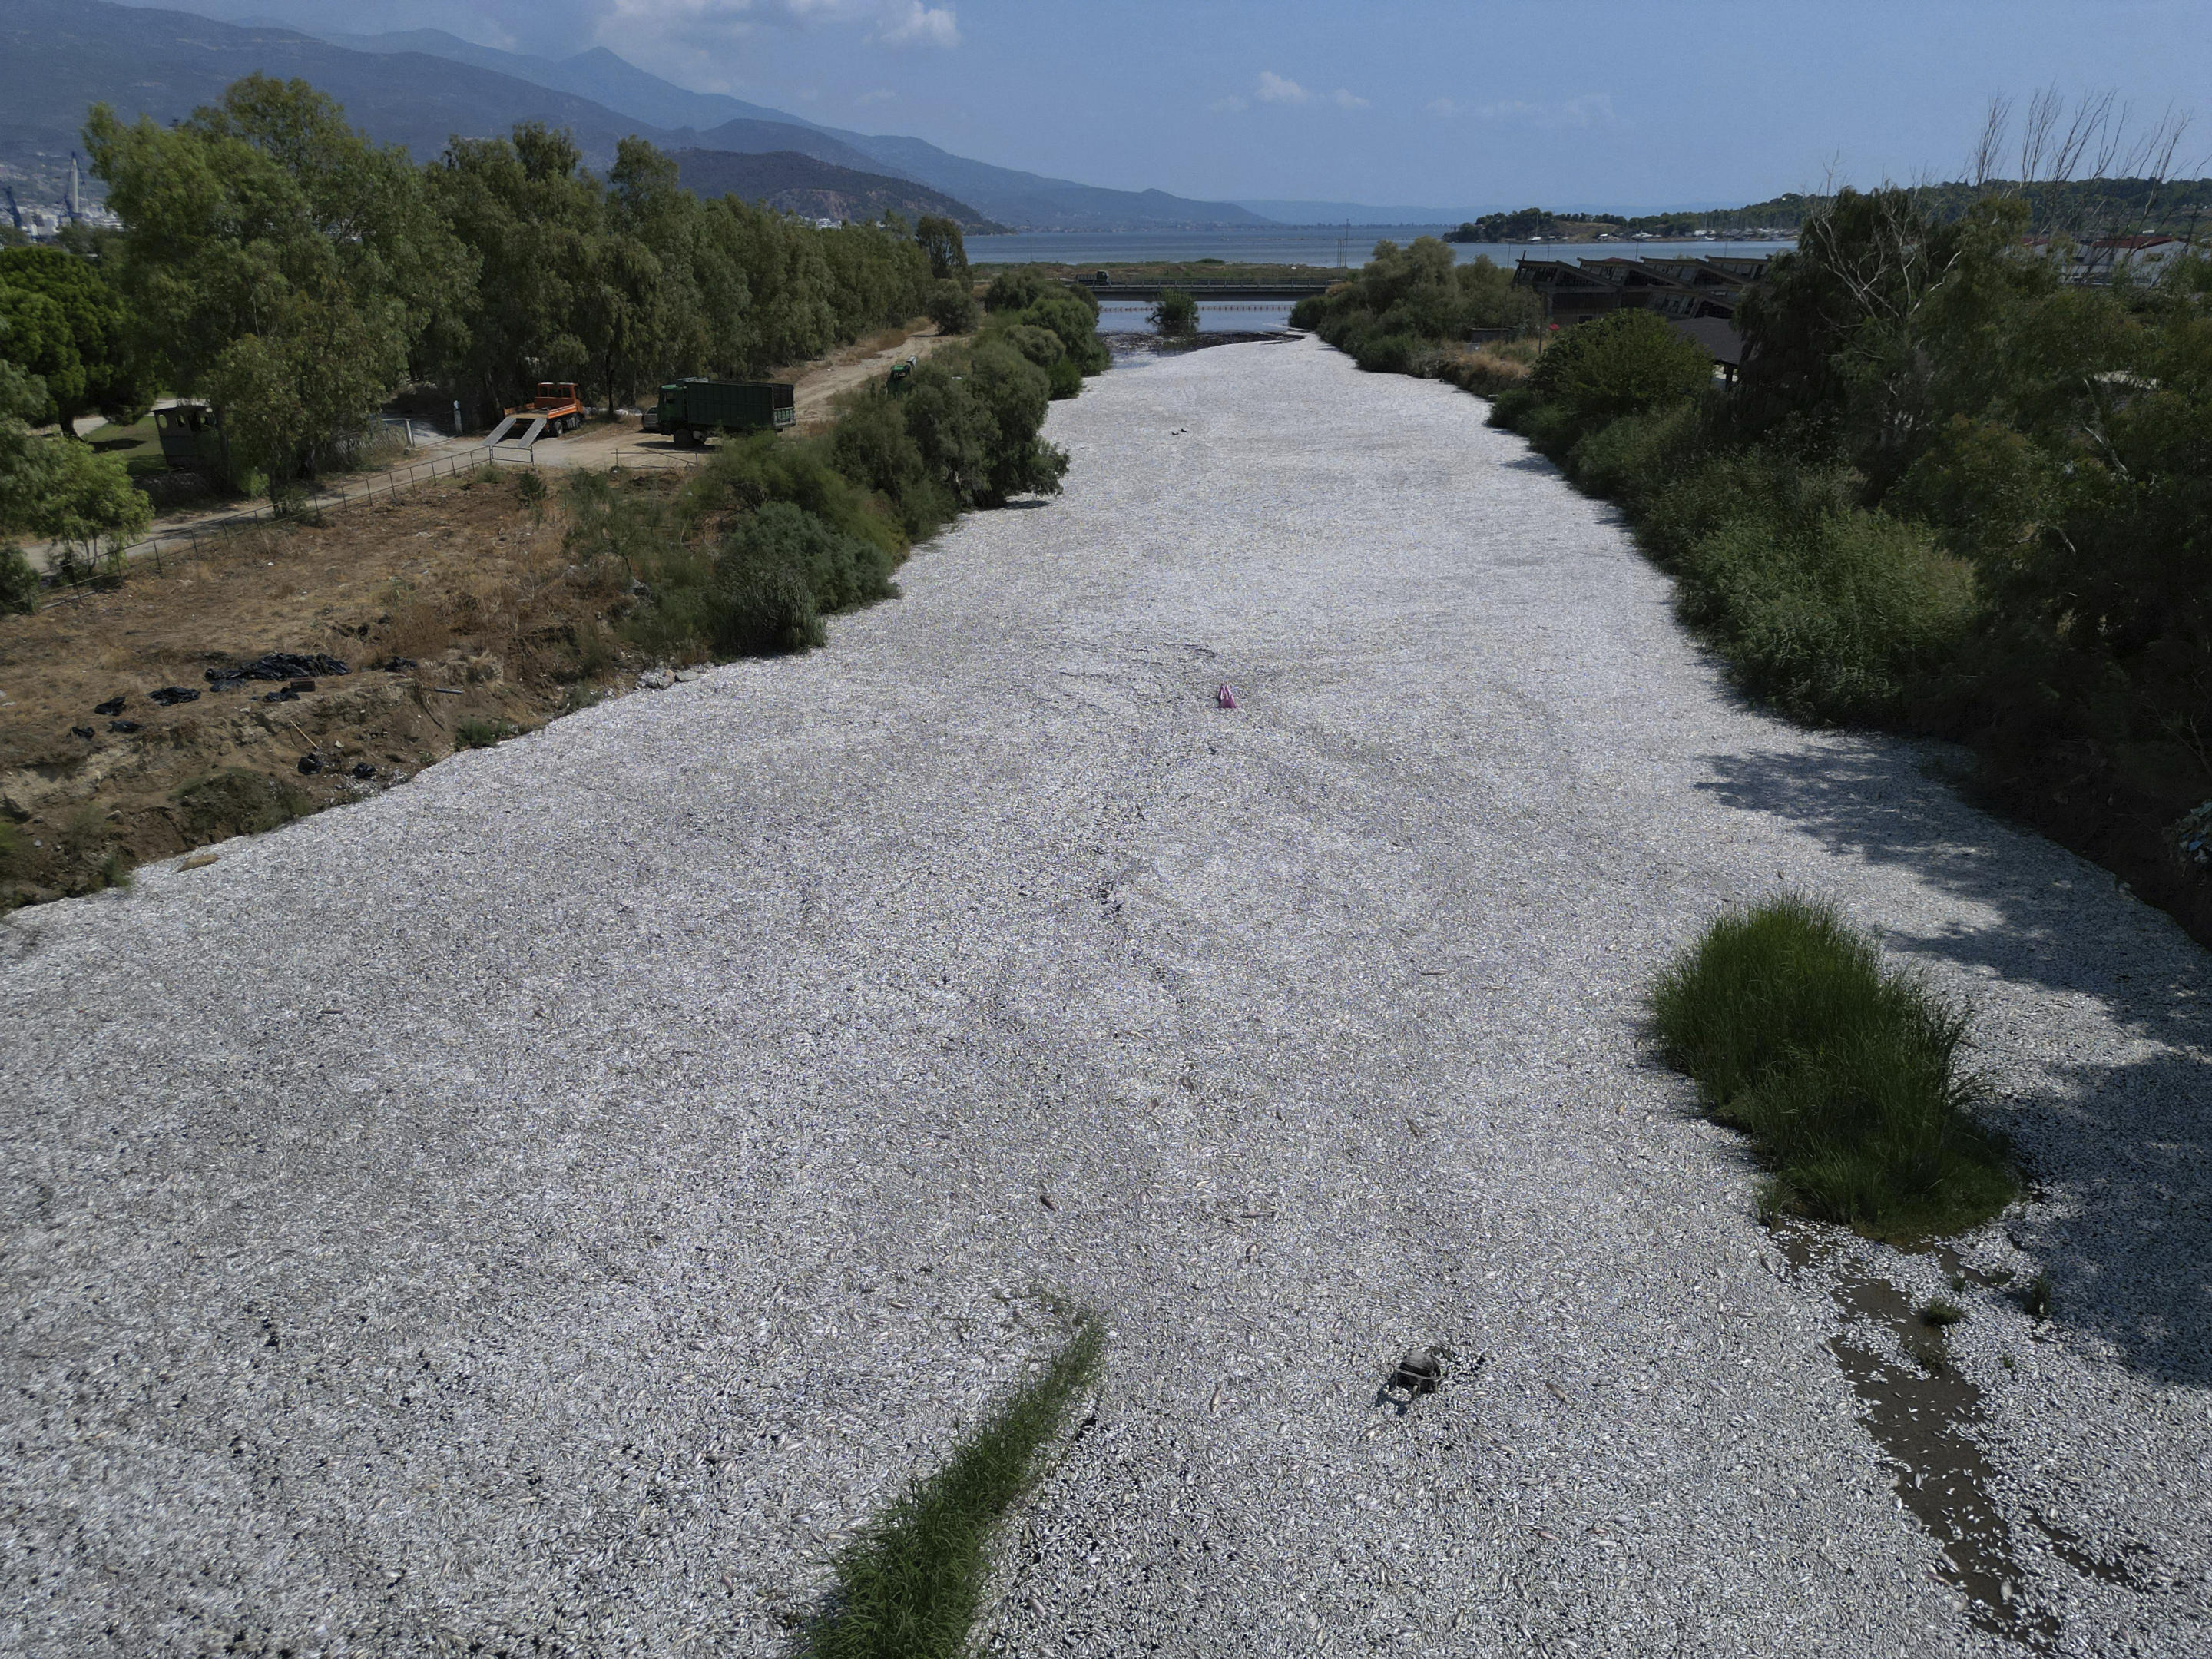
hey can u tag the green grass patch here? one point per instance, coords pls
(1844, 1075)
(911, 1586)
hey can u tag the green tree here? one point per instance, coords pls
(86, 358)
(1626, 364)
(951, 306)
(530, 216)
(280, 264)
(58, 491)
(941, 240)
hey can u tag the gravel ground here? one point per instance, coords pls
(538, 1210)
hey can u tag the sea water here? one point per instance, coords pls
(1290, 247)
(1325, 245)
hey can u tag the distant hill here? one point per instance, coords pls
(59, 57)
(1357, 212)
(794, 183)
(598, 75)
(1028, 200)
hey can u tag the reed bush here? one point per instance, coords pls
(910, 1587)
(1844, 1075)
(1835, 620)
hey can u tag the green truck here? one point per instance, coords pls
(691, 409)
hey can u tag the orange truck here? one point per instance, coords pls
(557, 404)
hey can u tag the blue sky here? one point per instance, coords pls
(1592, 102)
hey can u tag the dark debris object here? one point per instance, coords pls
(1420, 1371)
(288, 694)
(279, 666)
(170, 696)
(125, 726)
(113, 705)
(84, 731)
(396, 665)
(364, 770)
(311, 764)
(300, 685)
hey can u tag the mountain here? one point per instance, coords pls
(57, 58)
(793, 183)
(1027, 199)
(598, 75)
(1358, 213)
(1033, 202)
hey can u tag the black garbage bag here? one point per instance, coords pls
(279, 666)
(126, 727)
(113, 705)
(170, 696)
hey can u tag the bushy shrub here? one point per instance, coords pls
(780, 571)
(19, 582)
(952, 306)
(872, 447)
(1634, 459)
(1014, 291)
(1774, 489)
(977, 421)
(763, 468)
(1072, 315)
(1833, 618)
(1174, 314)
(1846, 1077)
(1626, 364)
(1407, 305)
(1040, 345)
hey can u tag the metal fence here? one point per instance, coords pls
(382, 486)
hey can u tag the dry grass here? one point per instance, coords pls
(463, 576)
(1488, 369)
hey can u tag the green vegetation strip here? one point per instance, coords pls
(1845, 1076)
(910, 1587)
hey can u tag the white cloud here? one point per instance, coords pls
(916, 25)
(1273, 89)
(1591, 109)
(880, 95)
(695, 22)
(1443, 107)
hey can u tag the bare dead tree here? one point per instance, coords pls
(2036, 128)
(1982, 170)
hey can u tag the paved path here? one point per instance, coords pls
(542, 1206)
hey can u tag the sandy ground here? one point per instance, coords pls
(459, 578)
(541, 1209)
(603, 443)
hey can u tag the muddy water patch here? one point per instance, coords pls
(1922, 1411)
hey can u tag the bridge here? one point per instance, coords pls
(1201, 291)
